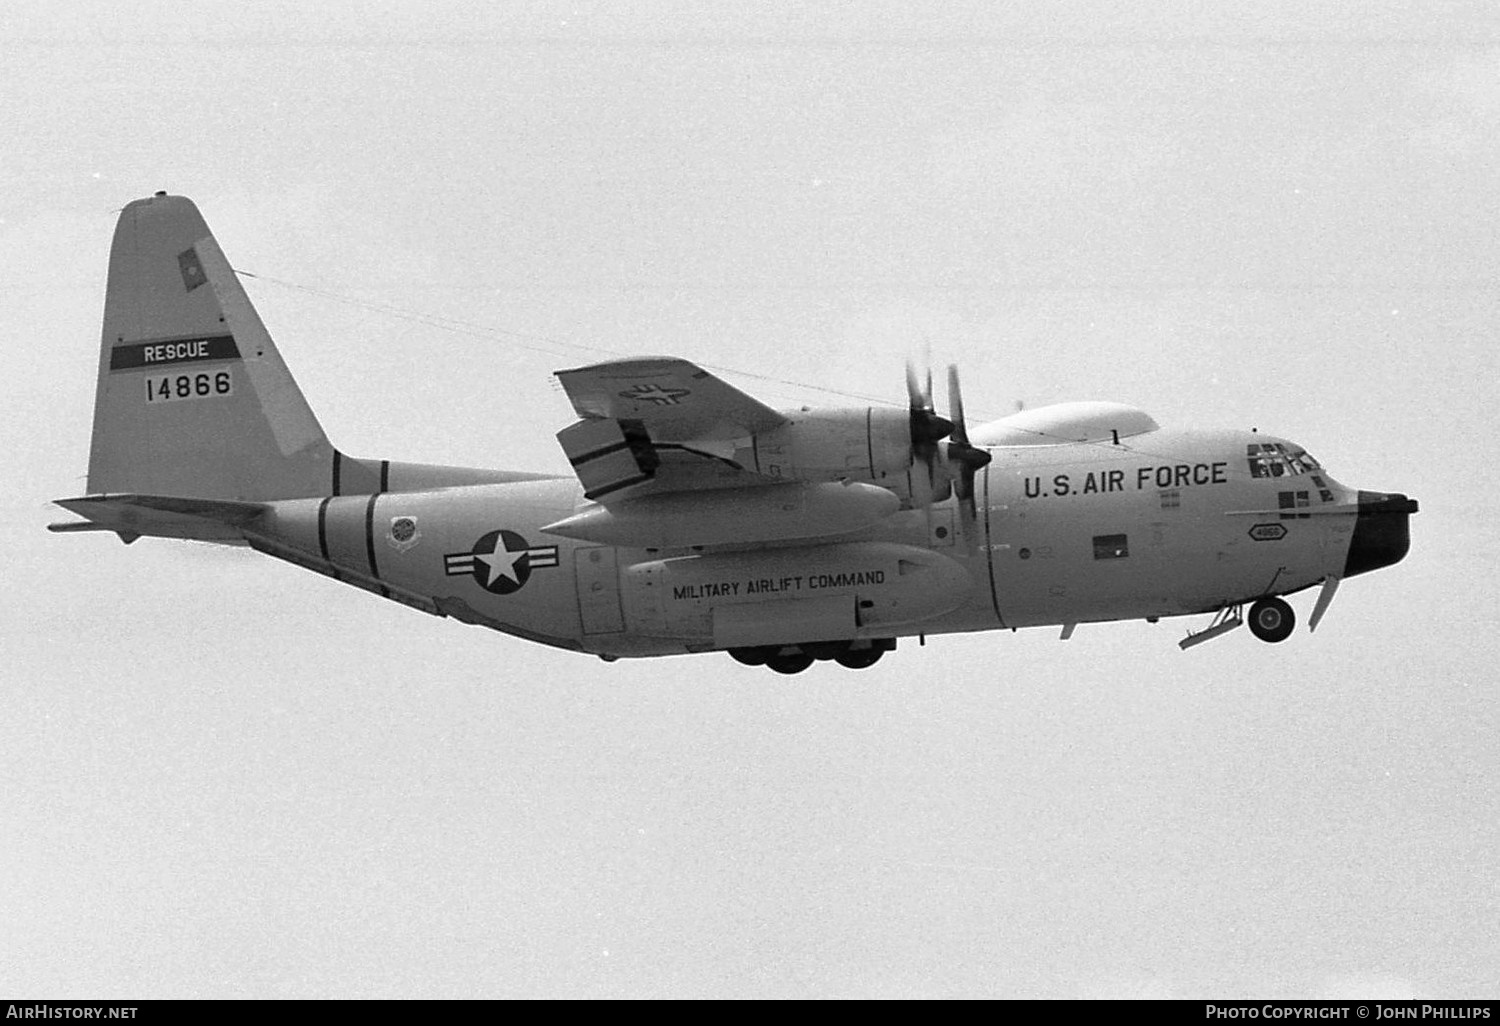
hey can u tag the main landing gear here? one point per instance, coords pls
(856, 655)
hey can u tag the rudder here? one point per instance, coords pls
(192, 398)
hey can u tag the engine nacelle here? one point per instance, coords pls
(871, 445)
(795, 511)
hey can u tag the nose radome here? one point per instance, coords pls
(1381, 532)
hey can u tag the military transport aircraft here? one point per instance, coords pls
(700, 519)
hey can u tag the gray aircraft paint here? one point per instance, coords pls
(1085, 512)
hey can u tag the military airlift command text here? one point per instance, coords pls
(768, 585)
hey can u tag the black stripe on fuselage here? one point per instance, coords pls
(370, 542)
(333, 571)
(385, 475)
(338, 461)
(323, 528)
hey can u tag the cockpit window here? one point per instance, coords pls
(1273, 459)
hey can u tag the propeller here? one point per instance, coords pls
(970, 458)
(961, 460)
(927, 430)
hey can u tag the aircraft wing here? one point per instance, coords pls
(676, 400)
(658, 424)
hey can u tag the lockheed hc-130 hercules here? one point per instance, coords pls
(698, 519)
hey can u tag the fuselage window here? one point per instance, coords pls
(1272, 459)
(1289, 501)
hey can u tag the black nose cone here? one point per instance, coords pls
(1381, 535)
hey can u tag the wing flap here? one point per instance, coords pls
(658, 425)
(608, 455)
(617, 460)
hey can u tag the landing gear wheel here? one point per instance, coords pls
(755, 656)
(796, 662)
(1272, 620)
(860, 658)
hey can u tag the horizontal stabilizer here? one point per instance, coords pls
(162, 516)
(73, 526)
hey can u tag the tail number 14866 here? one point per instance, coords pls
(163, 388)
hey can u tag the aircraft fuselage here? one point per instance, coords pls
(1172, 523)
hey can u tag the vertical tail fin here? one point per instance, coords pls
(193, 399)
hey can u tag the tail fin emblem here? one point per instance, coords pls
(192, 270)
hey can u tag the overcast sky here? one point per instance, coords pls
(224, 776)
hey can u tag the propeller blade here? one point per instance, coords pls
(956, 406)
(922, 493)
(970, 458)
(921, 487)
(915, 397)
(927, 430)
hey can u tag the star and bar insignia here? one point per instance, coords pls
(658, 395)
(500, 561)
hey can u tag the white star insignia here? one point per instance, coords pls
(502, 562)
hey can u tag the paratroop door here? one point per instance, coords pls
(598, 590)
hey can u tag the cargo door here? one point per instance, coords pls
(598, 589)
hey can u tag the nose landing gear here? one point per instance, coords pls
(1271, 619)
